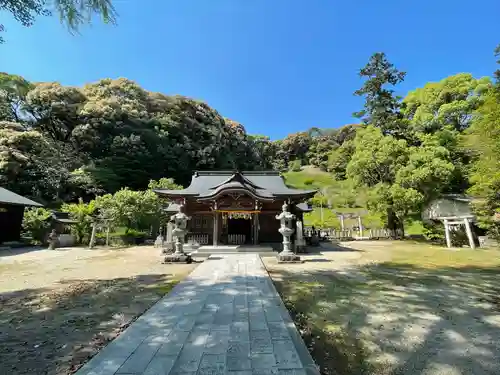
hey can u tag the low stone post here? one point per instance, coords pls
(360, 225)
(300, 242)
(470, 236)
(447, 233)
(107, 235)
(286, 218)
(179, 220)
(92, 236)
(159, 241)
(53, 240)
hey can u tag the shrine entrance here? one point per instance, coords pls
(237, 228)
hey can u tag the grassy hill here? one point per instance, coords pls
(337, 197)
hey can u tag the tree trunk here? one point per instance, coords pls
(392, 219)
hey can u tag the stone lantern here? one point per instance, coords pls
(286, 219)
(179, 221)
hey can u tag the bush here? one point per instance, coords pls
(434, 232)
(82, 213)
(308, 181)
(133, 237)
(36, 224)
(295, 166)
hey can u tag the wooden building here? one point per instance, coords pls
(236, 208)
(11, 214)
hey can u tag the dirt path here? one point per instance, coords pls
(57, 308)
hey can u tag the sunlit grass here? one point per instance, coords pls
(338, 306)
(430, 256)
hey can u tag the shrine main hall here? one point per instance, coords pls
(236, 208)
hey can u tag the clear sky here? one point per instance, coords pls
(276, 66)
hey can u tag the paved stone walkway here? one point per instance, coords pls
(225, 318)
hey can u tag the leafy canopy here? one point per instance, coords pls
(72, 13)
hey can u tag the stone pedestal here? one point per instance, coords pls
(159, 241)
(179, 220)
(286, 218)
(178, 258)
(288, 258)
(53, 240)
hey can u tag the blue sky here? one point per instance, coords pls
(276, 66)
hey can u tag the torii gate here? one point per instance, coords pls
(458, 220)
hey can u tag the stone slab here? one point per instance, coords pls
(225, 318)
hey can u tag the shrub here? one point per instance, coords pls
(133, 237)
(82, 213)
(308, 181)
(295, 166)
(434, 232)
(36, 224)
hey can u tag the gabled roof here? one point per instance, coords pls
(62, 217)
(265, 185)
(304, 207)
(9, 197)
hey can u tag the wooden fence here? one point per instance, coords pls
(345, 235)
(200, 238)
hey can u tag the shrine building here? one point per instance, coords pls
(236, 208)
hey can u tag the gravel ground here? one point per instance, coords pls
(396, 318)
(59, 307)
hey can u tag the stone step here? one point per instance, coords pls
(206, 251)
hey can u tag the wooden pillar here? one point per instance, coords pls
(216, 229)
(255, 228)
(447, 233)
(468, 229)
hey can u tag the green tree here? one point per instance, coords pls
(319, 150)
(496, 73)
(83, 214)
(164, 183)
(483, 138)
(376, 158)
(33, 165)
(293, 147)
(56, 109)
(295, 166)
(339, 158)
(447, 103)
(13, 91)
(382, 107)
(134, 210)
(72, 13)
(400, 178)
(36, 223)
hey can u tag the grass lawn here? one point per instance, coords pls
(345, 197)
(397, 308)
(58, 308)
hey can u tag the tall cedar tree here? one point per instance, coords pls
(382, 107)
(496, 73)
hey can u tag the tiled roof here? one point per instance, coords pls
(9, 197)
(265, 184)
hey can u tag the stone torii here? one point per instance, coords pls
(458, 220)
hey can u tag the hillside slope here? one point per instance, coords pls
(335, 197)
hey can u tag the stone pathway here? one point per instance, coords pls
(225, 318)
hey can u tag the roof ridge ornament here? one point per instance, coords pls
(237, 177)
